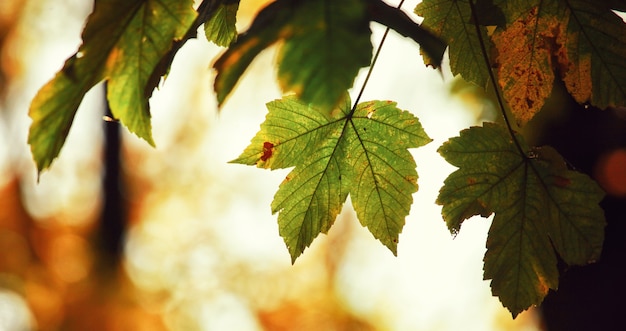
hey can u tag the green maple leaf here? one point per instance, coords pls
(361, 153)
(220, 26)
(452, 21)
(541, 209)
(329, 44)
(123, 42)
(325, 43)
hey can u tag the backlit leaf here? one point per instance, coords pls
(541, 209)
(581, 41)
(220, 27)
(524, 61)
(452, 21)
(364, 154)
(325, 43)
(330, 43)
(596, 47)
(269, 26)
(123, 42)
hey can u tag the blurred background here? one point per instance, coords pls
(174, 238)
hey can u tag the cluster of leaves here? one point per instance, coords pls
(543, 210)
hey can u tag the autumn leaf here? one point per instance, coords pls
(595, 40)
(524, 62)
(578, 40)
(325, 43)
(220, 26)
(541, 209)
(123, 42)
(361, 153)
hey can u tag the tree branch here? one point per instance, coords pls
(400, 22)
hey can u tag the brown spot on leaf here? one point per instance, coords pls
(471, 181)
(268, 150)
(561, 181)
(524, 53)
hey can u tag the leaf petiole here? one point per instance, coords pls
(371, 68)
(492, 77)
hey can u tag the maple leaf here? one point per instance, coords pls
(452, 21)
(541, 209)
(595, 39)
(580, 40)
(123, 42)
(361, 153)
(524, 62)
(220, 27)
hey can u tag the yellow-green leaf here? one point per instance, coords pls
(329, 44)
(325, 43)
(220, 26)
(123, 42)
(362, 153)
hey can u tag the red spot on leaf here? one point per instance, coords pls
(268, 150)
(561, 181)
(471, 181)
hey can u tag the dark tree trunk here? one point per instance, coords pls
(113, 217)
(590, 297)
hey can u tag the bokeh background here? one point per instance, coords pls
(190, 243)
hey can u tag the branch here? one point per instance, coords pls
(398, 20)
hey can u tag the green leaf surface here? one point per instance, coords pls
(541, 209)
(452, 21)
(123, 42)
(330, 43)
(364, 154)
(220, 26)
(325, 43)
(267, 28)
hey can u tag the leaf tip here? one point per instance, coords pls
(294, 258)
(294, 252)
(392, 245)
(148, 138)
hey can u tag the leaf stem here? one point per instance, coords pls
(205, 10)
(492, 77)
(369, 72)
